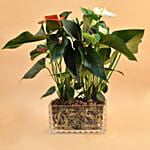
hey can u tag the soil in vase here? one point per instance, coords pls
(77, 115)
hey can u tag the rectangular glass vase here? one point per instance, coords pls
(77, 119)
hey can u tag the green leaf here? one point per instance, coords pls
(49, 91)
(25, 37)
(89, 13)
(104, 53)
(78, 63)
(63, 75)
(58, 50)
(94, 38)
(52, 25)
(97, 37)
(109, 69)
(94, 63)
(100, 96)
(66, 14)
(41, 32)
(79, 46)
(70, 93)
(72, 60)
(78, 85)
(88, 36)
(72, 29)
(60, 87)
(52, 40)
(118, 44)
(112, 58)
(35, 53)
(86, 23)
(35, 69)
(85, 71)
(132, 38)
(102, 24)
(104, 87)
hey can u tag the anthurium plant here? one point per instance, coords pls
(80, 55)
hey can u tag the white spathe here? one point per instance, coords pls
(102, 30)
(103, 12)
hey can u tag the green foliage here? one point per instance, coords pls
(89, 13)
(132, 38)
(104, 53)
(50, 91)
(109, 69)
(52, 25)
(35, 69)
(73, 61)
(90, 57)
(86, 23)
(100, 96)
(118, 44)
(25, 37)
(35, 52)
(78, 85)
(70, 93)
(104, 87)
(94, 63)
(65, 14)
(72, 29)
(94, 38)
(63, 75)
(57, 49)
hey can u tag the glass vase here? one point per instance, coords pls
(77, 119)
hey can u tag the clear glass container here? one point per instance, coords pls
(77, 119)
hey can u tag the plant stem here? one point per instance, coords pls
(50, 73)
(115, 65)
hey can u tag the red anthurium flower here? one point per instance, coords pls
(42, 49)
(51, 17)
(54, 17)
(43, 21)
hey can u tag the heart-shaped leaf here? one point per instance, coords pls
(118, 44)
(58, 49)
(132, 38)
(35, 69)
(52, 25)
(72, 29)
(72, 60)
(25, 37)
(94, 63)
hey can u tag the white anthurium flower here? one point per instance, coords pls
(96, 11)
(103, 12)
(103, 30)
